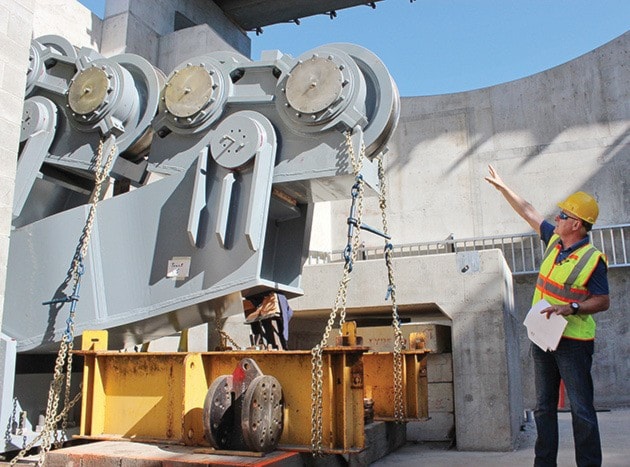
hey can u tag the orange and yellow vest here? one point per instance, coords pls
(566, 281)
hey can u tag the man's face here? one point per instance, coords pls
(565, 223)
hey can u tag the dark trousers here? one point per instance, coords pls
(571, 362)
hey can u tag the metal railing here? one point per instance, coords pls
(523, 252)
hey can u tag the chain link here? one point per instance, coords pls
(64, 355)
(223, 335)
(11, 424)
(399, 406)
(225, 338)
(317, 374)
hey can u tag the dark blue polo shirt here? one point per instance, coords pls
(598, 283)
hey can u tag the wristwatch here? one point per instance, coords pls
(575, 306)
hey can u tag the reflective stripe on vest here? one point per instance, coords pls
(565, 282)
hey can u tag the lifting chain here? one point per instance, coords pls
(350, 253)
(48, 435)
(225, 338)
(399, 406)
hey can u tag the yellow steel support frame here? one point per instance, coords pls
(159, 396)
(378, 373)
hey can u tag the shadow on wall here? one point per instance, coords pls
(574, 113)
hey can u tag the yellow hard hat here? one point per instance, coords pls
(581, 205)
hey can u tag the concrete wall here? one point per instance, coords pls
(486, 368)
(69, 19)
(140, 26)
(548, 135)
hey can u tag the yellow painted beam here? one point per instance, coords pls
(160, 396)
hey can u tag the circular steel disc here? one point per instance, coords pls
(188, 91)
(314, 85)
(238, 138)
(88, 90)
(263, 414)
(218, 426)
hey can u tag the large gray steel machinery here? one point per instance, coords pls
(215, 169)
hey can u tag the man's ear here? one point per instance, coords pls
(578, 225)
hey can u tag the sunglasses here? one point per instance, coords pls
(564, 216)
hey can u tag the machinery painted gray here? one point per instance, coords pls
(64, 160)
(223, 139)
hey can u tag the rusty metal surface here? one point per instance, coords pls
(127, 453)
(379, 384)
(160, 396)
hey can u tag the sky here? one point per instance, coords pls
(445, 46)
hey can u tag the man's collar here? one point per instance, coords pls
(575, 245)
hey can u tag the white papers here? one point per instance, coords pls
(543, 332)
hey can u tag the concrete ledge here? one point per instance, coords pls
(478, 300)
(439, 427)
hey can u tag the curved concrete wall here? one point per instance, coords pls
(559, 131)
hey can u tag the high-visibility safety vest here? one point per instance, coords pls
(565, 282)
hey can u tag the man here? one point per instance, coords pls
(573, 279)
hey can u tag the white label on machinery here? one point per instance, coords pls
(178, 267)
